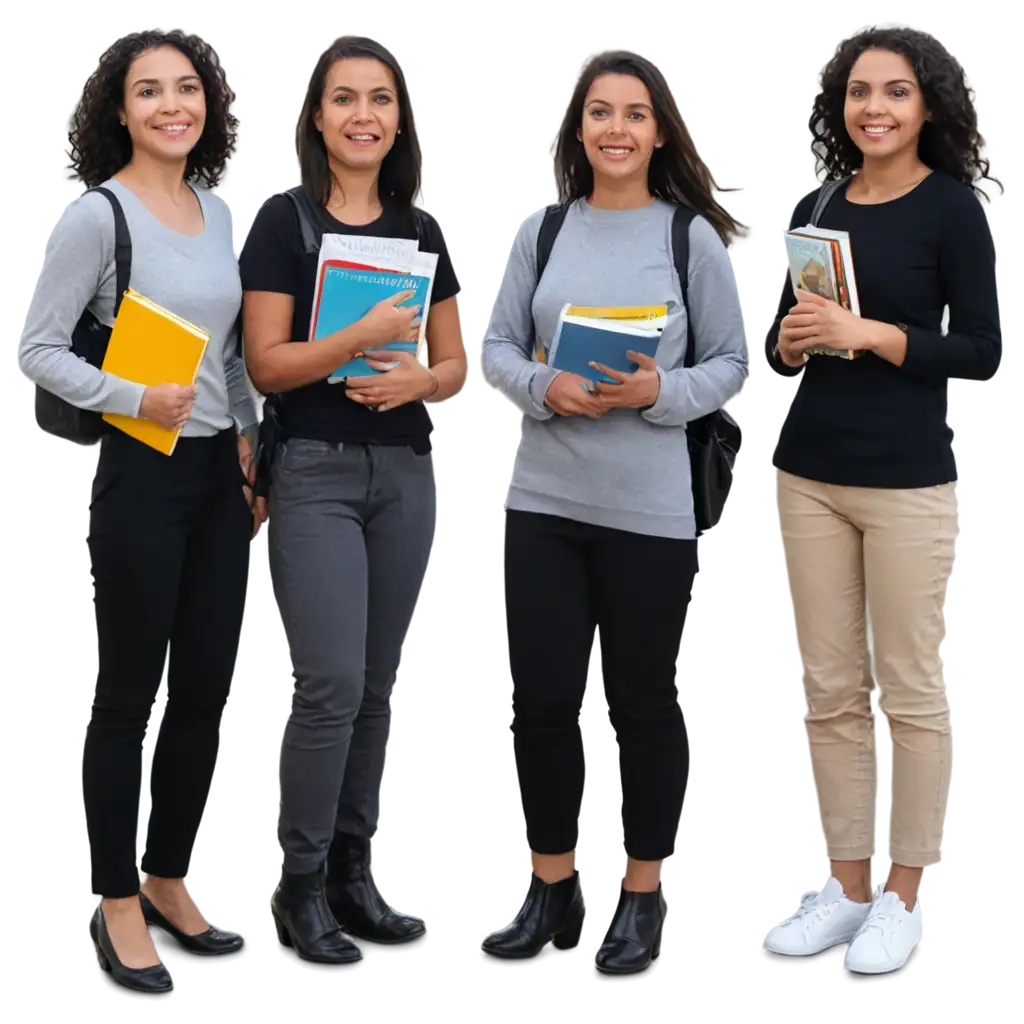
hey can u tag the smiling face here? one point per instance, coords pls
(358, 114)
(884, 109)
(164, 107)
(619, 132)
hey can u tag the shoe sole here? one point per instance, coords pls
(876, 973)
(806, 954)
(528, 956)
(284, 937)
(881, 970)
(382, 942)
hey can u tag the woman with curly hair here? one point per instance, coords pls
(866, 474)
(168, 536)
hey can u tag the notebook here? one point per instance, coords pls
(580, 340)
(151, 345)
(346, 293)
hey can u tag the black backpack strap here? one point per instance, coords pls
(554, 218)
(420, 223)
(681, 221)
(310, 237)
(825, 194)
(122, 247)
(550, 225)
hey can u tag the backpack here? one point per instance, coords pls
(713, 440)
(312, 228)
(825, 194)
(89, 341)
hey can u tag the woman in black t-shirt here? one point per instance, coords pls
(866, 475)
(351, 487)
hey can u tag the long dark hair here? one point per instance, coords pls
(400, 170)
(949, 142)
(101, 145)
(676, 173)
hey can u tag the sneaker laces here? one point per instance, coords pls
(811, 904)
(882, 917)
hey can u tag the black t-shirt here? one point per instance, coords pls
(273, 260)
(865, 422)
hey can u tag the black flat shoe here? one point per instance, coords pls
(304, 922)
(212, 942)
(634, 937)
(154, 980)
(354, 900)
(551, 913)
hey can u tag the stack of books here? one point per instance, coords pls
(151, 345)
(355, 273)
(603, 334)
(821, 262)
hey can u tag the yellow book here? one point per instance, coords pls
(151, 345)
(619, 312)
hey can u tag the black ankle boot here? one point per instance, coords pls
(634, 937)
(551, 913)
(153, 979)
(353, 897)
(304, 921)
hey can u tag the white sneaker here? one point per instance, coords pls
(825, 919)
(888, 936)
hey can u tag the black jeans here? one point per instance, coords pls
(563, 579)
(169, 540)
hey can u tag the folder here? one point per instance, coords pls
(151, 345)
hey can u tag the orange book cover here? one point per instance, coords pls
(151, 345)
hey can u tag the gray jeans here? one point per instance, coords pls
(350, 533)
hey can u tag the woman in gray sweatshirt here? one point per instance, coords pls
(168, 535)
(600, 525)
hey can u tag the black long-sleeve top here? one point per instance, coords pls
(866, 422)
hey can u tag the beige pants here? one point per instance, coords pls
(854, 553)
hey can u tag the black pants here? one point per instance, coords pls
(563, 579)
(169, 540)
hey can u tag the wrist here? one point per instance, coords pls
(433, 386)
(882, 336)
(352, 339)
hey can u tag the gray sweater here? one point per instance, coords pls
(630, 469)
(197, 278)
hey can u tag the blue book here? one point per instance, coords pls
(577, 344)
(347, 295)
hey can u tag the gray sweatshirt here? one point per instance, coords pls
(630, 469)
(197, 278)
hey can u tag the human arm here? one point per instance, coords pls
(971, 349)
(778, 346)
(508, 361)
(445, 372)
(78, 261)
(240, 400)
(720, 348)
(270, 266)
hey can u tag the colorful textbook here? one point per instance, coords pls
(821, 262)
(603, 334)
(355, 273)
(151, 345)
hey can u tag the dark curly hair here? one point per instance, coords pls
(101, 145)
(676, 173)
(949, 142)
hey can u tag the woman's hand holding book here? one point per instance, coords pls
(388, 321)
(817, 322)
(169, 405)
